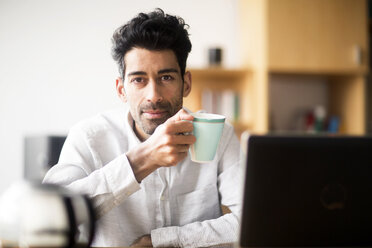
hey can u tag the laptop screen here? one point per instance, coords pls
(307, 191)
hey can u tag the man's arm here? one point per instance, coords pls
(80, 170)
(222, 230)
(112, 183)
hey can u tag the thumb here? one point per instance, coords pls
(181, 115)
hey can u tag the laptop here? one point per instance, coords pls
(307, 191)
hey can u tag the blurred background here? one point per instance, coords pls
(268, 65)
(56, 66)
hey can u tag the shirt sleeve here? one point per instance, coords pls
(223, 230)
(79, 170)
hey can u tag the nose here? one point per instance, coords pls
(153, 93)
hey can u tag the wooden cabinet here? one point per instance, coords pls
(317, 35)
(322, 38)
(322, 43)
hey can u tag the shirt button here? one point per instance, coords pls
(162, 198)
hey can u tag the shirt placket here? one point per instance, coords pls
(163, 201)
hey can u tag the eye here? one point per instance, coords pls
(166, 78)
(137, 80)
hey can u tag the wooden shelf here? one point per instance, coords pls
(325, 38)
(218, 72)
(320, 71)
(314, 41)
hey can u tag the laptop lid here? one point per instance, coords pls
(307, 191)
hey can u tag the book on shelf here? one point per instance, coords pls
(224, 102)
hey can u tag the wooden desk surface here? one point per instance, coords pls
(6, 246)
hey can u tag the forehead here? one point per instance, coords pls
(149, 61)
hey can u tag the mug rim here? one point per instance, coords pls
(208, 117)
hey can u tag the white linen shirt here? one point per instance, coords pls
(179, 206)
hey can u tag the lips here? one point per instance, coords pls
(154, 114)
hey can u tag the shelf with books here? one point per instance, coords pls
(299, 46)
(222, 91)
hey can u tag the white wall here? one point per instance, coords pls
(56, 66)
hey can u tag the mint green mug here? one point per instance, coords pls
(207, 130)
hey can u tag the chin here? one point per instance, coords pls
(150, 128)
(149, 125)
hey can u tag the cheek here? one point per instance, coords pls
(132, 95)
(176, 100)
(133, 107)
(132, 101)
(174, 92)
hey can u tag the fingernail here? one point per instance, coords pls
(185, 133)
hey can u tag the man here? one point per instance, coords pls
(134, 162)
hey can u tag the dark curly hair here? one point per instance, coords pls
(153, 31)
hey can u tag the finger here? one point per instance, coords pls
(183, 148)
(179, 127)
(183, 139)
(181, 115)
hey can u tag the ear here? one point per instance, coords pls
(186, 84)
(120, 89)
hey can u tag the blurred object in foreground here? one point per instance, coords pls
(45, 215)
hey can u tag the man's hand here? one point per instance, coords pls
(169, 145)
(144, 241)
(166, 147)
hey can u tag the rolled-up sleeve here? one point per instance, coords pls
(80, 171)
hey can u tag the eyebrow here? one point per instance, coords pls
(167, 70)
(136, 73)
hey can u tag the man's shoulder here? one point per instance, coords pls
(103, 122)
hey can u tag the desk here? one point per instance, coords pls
(79, 246)
(7, 244)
